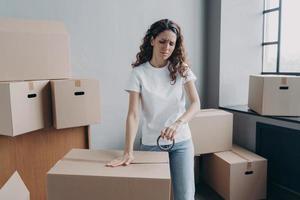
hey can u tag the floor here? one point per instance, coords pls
(204, 192)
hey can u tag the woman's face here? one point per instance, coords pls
(164, 44)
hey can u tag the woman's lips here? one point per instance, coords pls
(164, 53)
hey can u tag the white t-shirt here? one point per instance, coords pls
(162, 103)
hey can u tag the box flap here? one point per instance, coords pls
(211, 112)
(32, 26)
(14, 188)
(140, 157)
(80, 162)
(239, 155)
(230, 157)
(250, 156)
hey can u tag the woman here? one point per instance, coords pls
(158, 80)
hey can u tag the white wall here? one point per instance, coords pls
(234, 37)
(240, 48)
(105, 36)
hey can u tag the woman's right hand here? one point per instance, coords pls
(124, 160)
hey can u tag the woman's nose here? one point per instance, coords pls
(166, 46)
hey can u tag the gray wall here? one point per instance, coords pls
(245, 128)
(105, 36)
(212, 44)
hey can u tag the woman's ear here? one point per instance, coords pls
(152, 41)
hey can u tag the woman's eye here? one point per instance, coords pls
(162, 42)
(171, 44)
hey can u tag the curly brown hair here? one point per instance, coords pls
(177, 61)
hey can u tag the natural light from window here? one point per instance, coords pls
(290, 36)
(281, 20)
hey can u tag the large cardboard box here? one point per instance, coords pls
(276, 95)
(211, 131)
(75, 102)
(82, 174)
(24, 106)
(33, 50)
(14, 189)
(237, 174)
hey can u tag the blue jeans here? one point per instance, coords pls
(181, 158)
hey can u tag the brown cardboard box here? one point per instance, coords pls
(14, 189)
(75, 102)
(82, 174)
(211, 131)
(237, 174)
(276, 95)
(33, 50)
(24, 106)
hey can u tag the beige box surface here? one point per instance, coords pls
(211, 131)
(14, 189)
(276, 95)
(82, 174)
(75, 102)
(24, 106)
(33, 50)
(237, 174)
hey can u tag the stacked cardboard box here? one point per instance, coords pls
(236, 174)
(25, 106)
(32, 53)
(211, 131)
(75, 102)
(231, 171)
(33, 50)
(30, 50)
(14, 189)
(82, 174)
(276, 95)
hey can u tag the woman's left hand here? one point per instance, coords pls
(169, 132)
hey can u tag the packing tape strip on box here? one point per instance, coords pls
(249, 162)
(106, 161)
(284, 80)
(30, 85)
(77, 83)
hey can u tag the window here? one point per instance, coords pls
(281, 37)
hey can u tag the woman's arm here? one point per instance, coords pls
(132, 122)
(194, 107)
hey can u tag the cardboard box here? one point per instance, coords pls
(14, 189)
(75, 102)
(24, 106)
(82, 174)
(33, 50)
(237, 174)
(211, 131)
(276, 95)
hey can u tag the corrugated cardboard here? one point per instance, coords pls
(24, 106)
(75, 102)
(276, 95)
(82, 174)
(14, 189)
(211, 131)
(237, 174)
(33, 50)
